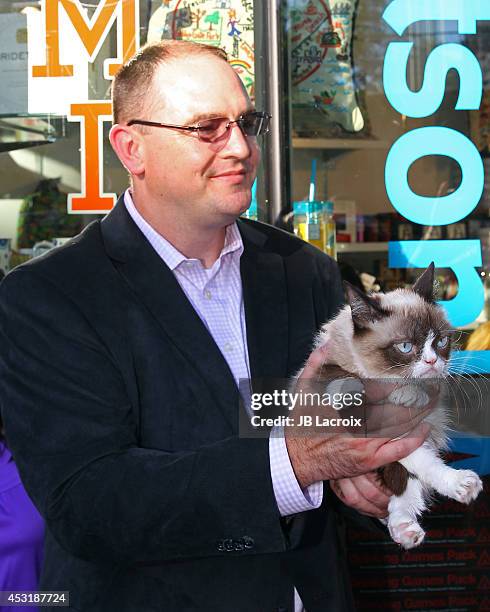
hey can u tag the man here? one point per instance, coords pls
(120, 357)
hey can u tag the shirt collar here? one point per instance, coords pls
(170, 255)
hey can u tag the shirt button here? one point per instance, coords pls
(228, 347)
(207, 294)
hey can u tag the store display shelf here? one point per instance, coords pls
(362, 247)
(339, 143)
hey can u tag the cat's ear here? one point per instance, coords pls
(424, 285)
(364, 308)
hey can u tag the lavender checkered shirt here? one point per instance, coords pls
(216, 295)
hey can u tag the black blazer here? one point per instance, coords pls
(122, 416)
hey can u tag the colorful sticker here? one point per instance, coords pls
(227, 24)
(321, 71)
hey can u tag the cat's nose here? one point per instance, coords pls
(430, 360)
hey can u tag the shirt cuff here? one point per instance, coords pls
(290, 498)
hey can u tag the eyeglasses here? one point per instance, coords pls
(252, 123)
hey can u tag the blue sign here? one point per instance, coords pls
(462, 256)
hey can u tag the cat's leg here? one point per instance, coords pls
(403, 512)
(461, 485)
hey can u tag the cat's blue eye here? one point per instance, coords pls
(442, 342)
(404, 347)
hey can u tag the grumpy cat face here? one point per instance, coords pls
(403, 333)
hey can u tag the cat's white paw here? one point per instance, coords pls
(466, 486)
(409, 395)
(407, 534)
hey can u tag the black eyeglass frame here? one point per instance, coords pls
(196, 128)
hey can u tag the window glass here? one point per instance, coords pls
(45, 158)
(380, 130)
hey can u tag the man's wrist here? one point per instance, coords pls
(297, 451)
(290, 496)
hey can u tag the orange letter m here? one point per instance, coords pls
(92, 33)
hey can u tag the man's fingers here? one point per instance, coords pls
(372, 491)
(378, 390)
(394, 450)
(315, 362)
(391, 420)
(382, 491)
(391, 431)
(352, 491)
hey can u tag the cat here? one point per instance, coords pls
(402, 334)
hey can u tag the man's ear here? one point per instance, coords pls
(128, 146)
(424, 285)
(364, 308)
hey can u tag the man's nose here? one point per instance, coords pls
(238, 144)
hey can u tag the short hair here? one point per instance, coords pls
(134, 79)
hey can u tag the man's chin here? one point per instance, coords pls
(236, 204)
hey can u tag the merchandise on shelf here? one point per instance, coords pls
(322, 70)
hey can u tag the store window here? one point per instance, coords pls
(58, 171)
(366, 101)
(40, 150)
(390, 126)
(372, 87)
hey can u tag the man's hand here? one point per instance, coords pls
(363, 493)
(391, 432)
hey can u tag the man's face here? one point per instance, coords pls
(204, 181)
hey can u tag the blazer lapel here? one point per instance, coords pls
(155, 285)
(266, 305)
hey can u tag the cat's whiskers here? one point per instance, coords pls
(479, 370)
(396, 365)
(455, 358)
(451, 391)
(471, 380)
(458, 381)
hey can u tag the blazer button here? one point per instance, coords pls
(248, 542)
(220, 545)
(229, 545)
(225, 545)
